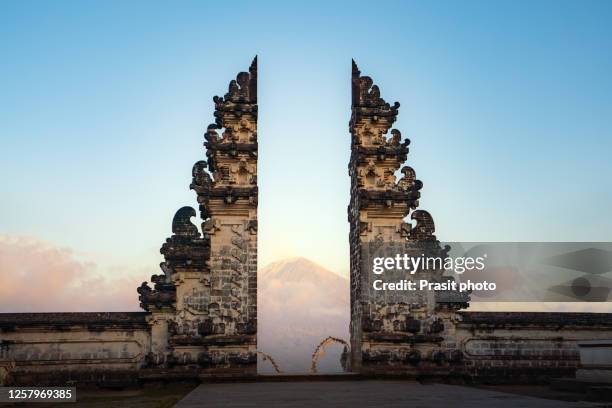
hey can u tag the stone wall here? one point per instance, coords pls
(522, 346)
(60, 348)
(493, 347)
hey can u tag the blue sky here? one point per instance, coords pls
(103, 106)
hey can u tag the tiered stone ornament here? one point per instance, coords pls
(402, 332)
(204, 308)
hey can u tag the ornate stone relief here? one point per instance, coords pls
(207, 294)
(405, 328)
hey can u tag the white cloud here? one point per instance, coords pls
(37, 276)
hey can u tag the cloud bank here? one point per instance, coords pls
(36, 276)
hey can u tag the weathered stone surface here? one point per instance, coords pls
(423, 333)
(526, 346)
(204, 308)
(15, 321)
(390, 332)
(52, 348)
(556, 320)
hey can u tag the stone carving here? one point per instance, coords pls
(201, 178)
(424, 228)
(400, 325)
(408, 181)
(210, 279)
(186, 248)
(367, 95)
(163, 294)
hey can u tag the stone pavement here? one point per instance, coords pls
(355, 394)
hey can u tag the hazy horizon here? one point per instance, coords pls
(104, 105)
(39, 277)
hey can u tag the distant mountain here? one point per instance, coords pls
(299, 304)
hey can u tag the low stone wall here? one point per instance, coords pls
(517, 346)
(111, 348)
(60, 348)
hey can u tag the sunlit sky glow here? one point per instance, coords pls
(103, 106)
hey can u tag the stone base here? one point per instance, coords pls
(600, 393)
(595, 361)
(65, 378)
(593, 375)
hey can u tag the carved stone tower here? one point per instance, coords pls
(403, 332)
(204, 307)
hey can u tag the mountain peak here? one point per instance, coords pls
(288, 261)
(297, 269)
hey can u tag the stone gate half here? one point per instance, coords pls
(426, 333)
(204, 305)
(399, 333)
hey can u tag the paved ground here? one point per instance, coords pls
(356, 394)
